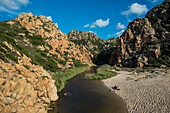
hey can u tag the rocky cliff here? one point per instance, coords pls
(32, 48)
(97, 46)
(25, 88)
(60, 45)
(146, 40)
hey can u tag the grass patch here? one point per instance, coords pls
(62, 77)
(103, 72)
(117, 68)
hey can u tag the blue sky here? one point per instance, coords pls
(106, 18)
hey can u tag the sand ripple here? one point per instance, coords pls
(143, 95)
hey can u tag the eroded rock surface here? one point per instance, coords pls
(61, 46)
(145, 42)
(98, 47)
(25, 90)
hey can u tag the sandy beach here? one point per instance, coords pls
(143, 92)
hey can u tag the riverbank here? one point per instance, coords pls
(82, 95)
(102, 72)
(63, 76)
(144, 91)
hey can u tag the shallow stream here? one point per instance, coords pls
(87, 96)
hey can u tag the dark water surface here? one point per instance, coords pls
(88, 96)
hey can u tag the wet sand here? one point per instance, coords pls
(143, 94)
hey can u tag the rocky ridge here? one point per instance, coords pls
(32, 48)
(61, 46)
(146, 40)
(97, 46)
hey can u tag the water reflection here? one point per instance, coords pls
(87, 96)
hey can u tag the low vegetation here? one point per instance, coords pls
(21, 42)
(26, 43)
(103, 72)
(91, 42)
(63, 76)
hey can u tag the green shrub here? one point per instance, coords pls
(37, 42)
(62, 77)
(103, 72)
(63, 62)
(2, 50)
(161, 29)
(13, 56)
(58, 51)
(2, 56)
(78, 63)
(26, 66)
(50, 47)
(7, 38)
(66, 53)
(117, 68)
(6, 47)
(32, 71)
(45, 77)
(47, 30)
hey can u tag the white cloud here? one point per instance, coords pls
(108, 35)
(93, 26)
(3, 9)
(24, 2)
(154, 1)
(129, 20)
(86, 25)
(100, 23)
(93, 32)
(9, 5)
(120, 26)
(135, 8)
(49, 17)
(119, 33)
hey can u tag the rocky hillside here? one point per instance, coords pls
(97, 46)
(40, 39)
(160, 20)
(31, 49)
(146, 40)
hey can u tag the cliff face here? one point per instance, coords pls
(160, 20)
(145, 42)
(132, 42)
(31, 50)
(61, 46)
(97, 46)
(25, 88)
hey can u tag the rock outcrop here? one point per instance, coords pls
(144, 40)
(32, 48)
(23, 89)
(40, 25)
(97, 46)
(132, 42)
(159, 17)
